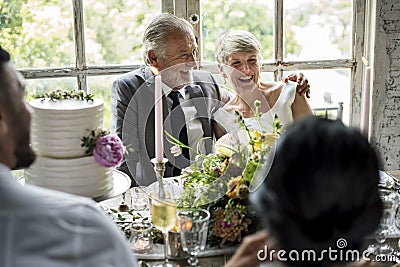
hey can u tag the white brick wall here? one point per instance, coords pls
(385, 133)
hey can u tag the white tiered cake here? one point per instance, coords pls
(57, 129)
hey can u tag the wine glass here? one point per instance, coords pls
(194, 227)
(139, 198)
(163, 215)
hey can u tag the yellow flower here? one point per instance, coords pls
(259, 141)
(233, 182)
(255, 135)
(237, 188)
(270, 138)
(256, 141)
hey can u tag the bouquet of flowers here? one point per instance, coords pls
(221, 181)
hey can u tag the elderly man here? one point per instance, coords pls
(169, 46)
(41, 227)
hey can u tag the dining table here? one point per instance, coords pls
(218, 256)
(210, 256)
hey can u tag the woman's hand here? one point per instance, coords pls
(247, 253)
(302, 83)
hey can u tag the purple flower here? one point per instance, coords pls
(225, 225)
(108, 151)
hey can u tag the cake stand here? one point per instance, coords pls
(121, 183)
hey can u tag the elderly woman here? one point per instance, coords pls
(323, 192)
(239, 57)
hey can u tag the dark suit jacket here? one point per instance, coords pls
(133, 118)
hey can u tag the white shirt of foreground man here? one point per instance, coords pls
(44, 228)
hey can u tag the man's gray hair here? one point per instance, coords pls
(236, 41)
(157, 31)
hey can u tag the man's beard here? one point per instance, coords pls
(24, 158)
(175, 79)
(24, 153)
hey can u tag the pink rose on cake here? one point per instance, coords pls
(108, 151)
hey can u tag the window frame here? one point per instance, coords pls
(186, 8)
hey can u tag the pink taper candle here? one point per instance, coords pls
(366, 99)
(158, 117)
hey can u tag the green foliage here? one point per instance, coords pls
(37, 33)
(115, 28)
(125, 219)
(220, 16)
(90, 141)
(291, 45)
(9, 15)
(334, 16)
(65, 94)
(249, 170)
(10, 23)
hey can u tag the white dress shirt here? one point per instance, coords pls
(45, 228)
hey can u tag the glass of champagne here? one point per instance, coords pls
(163, 214)
(194, 228)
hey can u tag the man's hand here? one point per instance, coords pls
(302, 83)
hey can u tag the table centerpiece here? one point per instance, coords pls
(221, 181)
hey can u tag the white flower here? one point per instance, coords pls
(187, 171)
(225, 145)
(176, 150)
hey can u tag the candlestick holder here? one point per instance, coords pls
(159, 168)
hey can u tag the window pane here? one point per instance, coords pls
(267, 76)
(100, 87)
(254, 16)
(114, 30)
(41, 86)
(317, 29)
(38, 33)
(328, 88)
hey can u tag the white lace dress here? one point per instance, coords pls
(282, 109)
